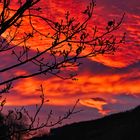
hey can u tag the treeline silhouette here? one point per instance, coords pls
(119, 126)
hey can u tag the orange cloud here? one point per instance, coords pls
(97, 103)
(57, 9)
(87, 88)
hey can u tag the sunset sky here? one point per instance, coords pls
(106, 84)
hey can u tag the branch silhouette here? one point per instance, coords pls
(68, 42)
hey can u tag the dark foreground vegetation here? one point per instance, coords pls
(120, 126)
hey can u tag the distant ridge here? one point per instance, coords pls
(119, 126)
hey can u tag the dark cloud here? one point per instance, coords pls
(93, 67)
(129, 98)
(117, 107)
(122, 102)
(128, 6)
(98, 99)
(97, 68)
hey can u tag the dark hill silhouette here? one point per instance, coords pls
(119, 126)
